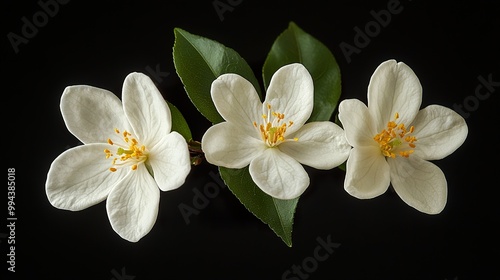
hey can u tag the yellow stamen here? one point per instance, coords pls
(394, 139)
(272, 131)
(108, 153)
(129, 152)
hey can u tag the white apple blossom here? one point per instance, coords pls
(272, 137)
(394, 141)
(129, 154)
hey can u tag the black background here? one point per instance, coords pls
(449, 45)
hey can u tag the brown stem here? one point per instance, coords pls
(195, 152)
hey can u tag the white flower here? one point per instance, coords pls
(129, 154)
(393, 141)
(272, 137)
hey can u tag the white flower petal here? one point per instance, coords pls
(236, 100)
(91, 114)
(291, 92)
(357, 122)
(133, 204)
(170, 161)
(80, 177)
(394, 88)
(321, 145)
(225, 144)
(439, 131)
(419, 183)
(367, 173)
(145, 108)
(279, 175)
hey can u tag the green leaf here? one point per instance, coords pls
(295, 45)
(179, 123)
(277, 214)
(199, 61)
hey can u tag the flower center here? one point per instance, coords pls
(128, 153)
(396, 139)
(272, 128)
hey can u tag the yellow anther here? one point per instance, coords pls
(394, 140)
(128, 153)
(272, 130)
(406, 153)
